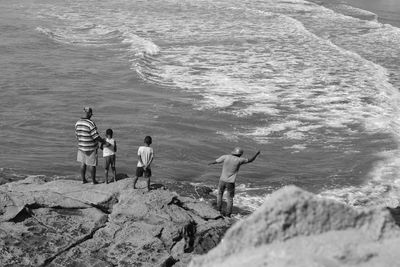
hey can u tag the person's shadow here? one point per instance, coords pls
(157, 186)
(395, 212)
(121, 176)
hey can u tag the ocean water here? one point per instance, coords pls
(313, 85)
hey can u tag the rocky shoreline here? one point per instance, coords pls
(298, 228)
(67, 223)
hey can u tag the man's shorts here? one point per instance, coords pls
(230, 187)
(140, 171)
(88, 158)
(110, 160)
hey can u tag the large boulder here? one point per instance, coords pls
(67, 223)
(298, 228)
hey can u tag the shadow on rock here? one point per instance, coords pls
(395, 212)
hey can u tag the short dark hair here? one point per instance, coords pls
(87, 109)
(109, 132)
(148, 140)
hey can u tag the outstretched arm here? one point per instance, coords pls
(254, 157)
(218, 160)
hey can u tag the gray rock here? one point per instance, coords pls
(297, 228)
(67, 223)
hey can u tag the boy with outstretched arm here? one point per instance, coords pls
(145, 158)
(230, 169)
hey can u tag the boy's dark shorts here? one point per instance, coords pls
(110, 160)
(140, 171)
(230, 187)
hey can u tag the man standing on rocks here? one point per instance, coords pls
(230, 169)
(88, 139)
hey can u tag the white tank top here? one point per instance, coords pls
(109, 150)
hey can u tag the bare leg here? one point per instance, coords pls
(93, 174)
(113, 168)
(106, 175)
(148, 184)
(134, 182)
(115, 173)
(83, 172)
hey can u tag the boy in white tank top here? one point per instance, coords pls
(109, 150)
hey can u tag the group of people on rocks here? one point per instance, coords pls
(89, 138)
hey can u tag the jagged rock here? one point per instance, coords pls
(66, 223)
(297, 228)
(44, 232)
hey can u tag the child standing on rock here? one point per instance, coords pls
(145, 158)
(109, 150)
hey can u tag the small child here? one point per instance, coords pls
(145, 158)
(109, 150)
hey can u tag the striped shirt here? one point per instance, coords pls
(86, 133)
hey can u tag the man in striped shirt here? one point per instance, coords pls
(88, 139)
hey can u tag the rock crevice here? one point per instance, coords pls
(48, 261)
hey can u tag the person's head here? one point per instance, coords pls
(109, 133)
(237, 151)
(148, 140)
(88, 112)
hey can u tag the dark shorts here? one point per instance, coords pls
(110, 160)
(140, 171)
(230, 187)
